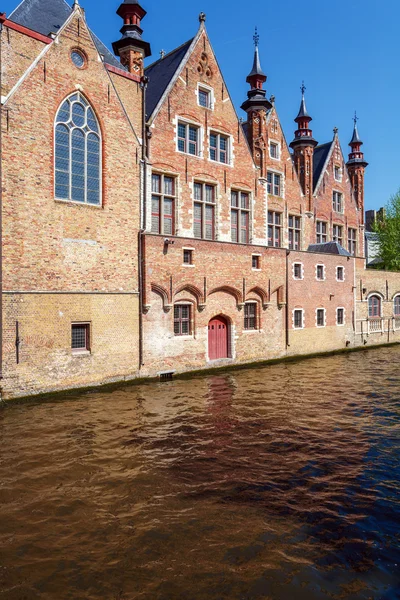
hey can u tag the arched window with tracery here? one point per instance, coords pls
(374, 306)
(77, 152)
(396, 306)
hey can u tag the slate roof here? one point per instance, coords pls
(328, 248)
(356, 138)
(161, 73)
(256, 70)
(48, 16)
(320, 155)
(303, 109)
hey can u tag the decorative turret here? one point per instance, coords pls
(131, 48)
(256, 78)
(356, 166)
(303, 146)
(257, 107)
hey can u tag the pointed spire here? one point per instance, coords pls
(303, 109)
(356, 138)
(256, 77)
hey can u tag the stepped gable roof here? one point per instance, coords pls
(48, 16)
(328, 248)
(321, 154)
(161, 73)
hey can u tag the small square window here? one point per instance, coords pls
(320, 272)
(297, 271)
(80, 337)
(340, 316)
(273, 150)
(340, 273)
(188, 257)
(204, 98)
(320, 317)
(298, 319)
(255, 261)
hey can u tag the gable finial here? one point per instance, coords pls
(335, 130)
(162, 54)
(75, 4)
(256, 37)
(202, 17)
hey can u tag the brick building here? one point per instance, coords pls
(220, 244)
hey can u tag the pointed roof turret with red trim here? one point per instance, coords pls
(256, 78)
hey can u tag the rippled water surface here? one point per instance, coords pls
(276, 483)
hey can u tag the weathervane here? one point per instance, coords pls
(355, 118)
(256, 38)
(303, 88)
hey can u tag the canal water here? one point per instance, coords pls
(279, 483)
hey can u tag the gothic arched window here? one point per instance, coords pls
(77, 152)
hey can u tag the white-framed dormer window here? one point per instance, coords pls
(77, 141)
(219, 147)
(337, 173)
(320, 272)
(274, 150)
(205, 96)
(189, 138)
(320, 317)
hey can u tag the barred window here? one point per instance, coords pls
(340, 316)
(162, 204)
(320, 272)
(240, 216)
(204, 211)
(352, 241)
(182, 314)
(320, 317)
(274, 184)
(321, 232)
(298, 271)
(188, 139)
(219, 147)
(187, 257)
(80, 337)
(340, 273)
(250, 315)
(77, 152)
(274, 229)
(338, 234)
(294, 232)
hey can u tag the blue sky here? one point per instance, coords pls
(345, 50)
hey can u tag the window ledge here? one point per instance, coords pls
(252, 331)
(186, 265)
(81, 353)
(76, 203)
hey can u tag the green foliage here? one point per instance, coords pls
(387, 226)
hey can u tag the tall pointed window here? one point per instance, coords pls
(77, 152)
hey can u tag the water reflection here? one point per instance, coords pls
(279, 483)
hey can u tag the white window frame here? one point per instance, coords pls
(189, 250)
(200, 141)
(282, 183)
(277, 144)
(326, 235)
(338, 179)
(339, 212)
(323, 270)
(301, 271)
(316, 317)
(229, 152)
(302, 318)
(344, 273)
(210, 90)
(336, 236)
(379, 295)
(254, 254)
(344, 316)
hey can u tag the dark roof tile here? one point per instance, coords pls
(160, 75)
(48, 16)
(320, 155)
(328, 248)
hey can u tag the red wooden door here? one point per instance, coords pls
(217, 338)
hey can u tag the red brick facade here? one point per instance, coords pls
(203, 227)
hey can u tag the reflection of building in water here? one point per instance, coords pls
(173, 235)
(219, 401)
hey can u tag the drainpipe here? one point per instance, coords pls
(287, 300)
(143, 218)
(1, 209)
